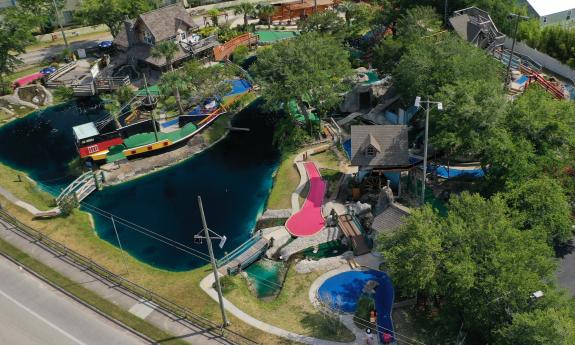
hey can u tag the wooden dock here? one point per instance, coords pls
(243, 256)
(350, 229)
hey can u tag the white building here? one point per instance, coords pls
(553, 12)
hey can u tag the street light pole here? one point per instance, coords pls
(428, 104)
(425, 152)
(517, 17)
(213, 261)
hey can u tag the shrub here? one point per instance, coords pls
(63, 93)
(227, 283)
(5, 88)
(240, 54)
(365, 305)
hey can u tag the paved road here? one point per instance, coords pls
(33, 313)
(39, 55)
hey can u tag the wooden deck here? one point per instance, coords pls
(248, 256)
(351, 231)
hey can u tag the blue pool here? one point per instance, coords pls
(344, 290)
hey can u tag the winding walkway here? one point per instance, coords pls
(206, 285)
(28, 207)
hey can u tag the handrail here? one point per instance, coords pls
(77, 182)
(138, 291)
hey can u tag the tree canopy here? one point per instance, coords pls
(311, 66)
(112, 13)
(470, 262)
(16, 27)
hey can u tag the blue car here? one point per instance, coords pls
(48, 70)
(105, 44)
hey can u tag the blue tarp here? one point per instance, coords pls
(347, 147)
(446, 172)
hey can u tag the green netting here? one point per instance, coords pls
(274, 36)
(294, 111)
(154, 90)
(115, 153)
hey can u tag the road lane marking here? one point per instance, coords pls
(63, 332)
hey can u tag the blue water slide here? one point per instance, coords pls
(384, 296)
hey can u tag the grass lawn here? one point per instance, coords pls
(24, 189)
(291, 309)
(88, 296)
(326, 159)
(285, 183)
(28, 70)
(76, 232)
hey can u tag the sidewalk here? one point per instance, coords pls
(178, 327)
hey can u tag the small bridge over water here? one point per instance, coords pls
(244, 255)
(81, 188)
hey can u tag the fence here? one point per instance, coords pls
(136, 290)
(545, 60)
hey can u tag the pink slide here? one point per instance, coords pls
(308, 220)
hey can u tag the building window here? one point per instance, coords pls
(182, 36)
(370, 151)
(544, 19)
(568, 14)
(148, 38)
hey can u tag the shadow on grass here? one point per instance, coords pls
(323, 327)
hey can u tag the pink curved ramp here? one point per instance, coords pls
(308, 220)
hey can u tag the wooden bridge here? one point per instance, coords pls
(351, 229)
(244, 255)
(81, 188)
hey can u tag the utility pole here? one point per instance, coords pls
(213, 259)
(60, 24)
(517, 17)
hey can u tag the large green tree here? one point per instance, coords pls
(438, 61)
(541, 327)
(327, 22)
(474, 271)
(472, 109)
(310, 67)
(16, 33)
(112, 13)
(540, 205)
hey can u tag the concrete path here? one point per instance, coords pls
(206, 285)
(28, 207)
(33, 313)
(182, 329)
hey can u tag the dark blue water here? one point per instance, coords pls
(42, 144)
(233, 177)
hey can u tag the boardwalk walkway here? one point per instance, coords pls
(244, 255)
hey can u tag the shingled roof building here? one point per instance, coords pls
(384, 147)
(174, 23)
(389, 215)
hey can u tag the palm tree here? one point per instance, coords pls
(246, 9)
(173, 82)
(347, 8)
(266, 11)
(214, 13)
(167, 50)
